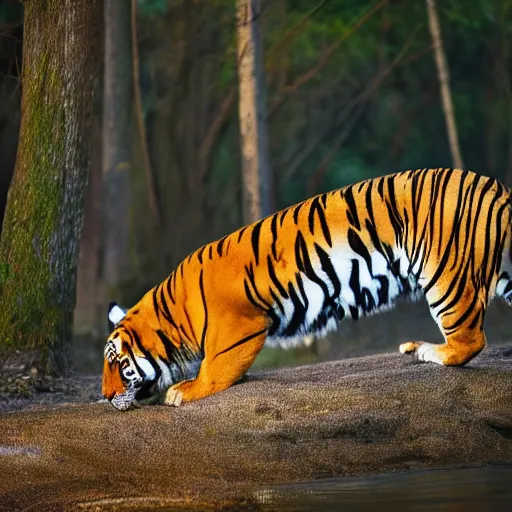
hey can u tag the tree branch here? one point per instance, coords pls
(322, 61)
(353, 111)
(316, 178)
(208, 143)
(288, 37)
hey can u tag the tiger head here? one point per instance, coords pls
(127, 374)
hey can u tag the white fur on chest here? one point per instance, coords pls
(366, 287)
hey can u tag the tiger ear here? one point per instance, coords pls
(115, 315)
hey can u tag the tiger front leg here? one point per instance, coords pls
(219, 370)
(174, 395)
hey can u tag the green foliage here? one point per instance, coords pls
(227, 74)
(352, 93)
(11, 13)
(153, 7)
(382, 139)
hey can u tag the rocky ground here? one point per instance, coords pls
(61, 449)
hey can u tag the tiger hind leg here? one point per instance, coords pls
(455, 352)
(462, 327)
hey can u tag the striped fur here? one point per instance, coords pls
(443, 233)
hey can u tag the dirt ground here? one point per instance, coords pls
(62, 450)
(21, 387)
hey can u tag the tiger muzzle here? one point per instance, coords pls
(123, 401)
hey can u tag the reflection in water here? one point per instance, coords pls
(448, 491)
(459, 490)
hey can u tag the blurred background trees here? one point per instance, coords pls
(351, 91)
(444, 83)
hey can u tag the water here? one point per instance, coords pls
(459, 490)
(479, 489)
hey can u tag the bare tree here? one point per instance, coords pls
(43, 221)
(444, 83)
(256, 177)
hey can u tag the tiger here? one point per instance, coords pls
(444, 234)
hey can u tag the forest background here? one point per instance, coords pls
(351, 91)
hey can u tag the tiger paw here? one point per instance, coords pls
(409, 347)
(173, 397)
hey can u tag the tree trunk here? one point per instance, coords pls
(43, 221)
(117, 142)
(154, 207)
(444, 83)
(89, 318)
(256, 179)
